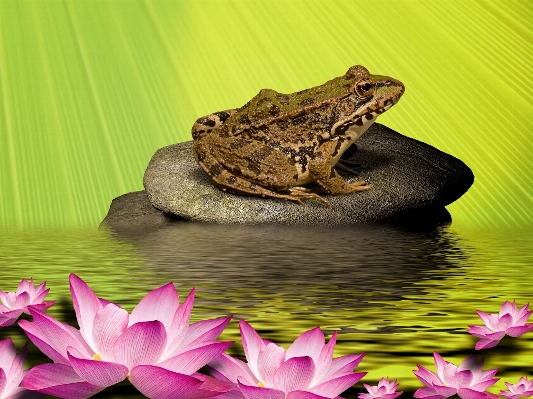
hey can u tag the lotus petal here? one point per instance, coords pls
(485, 384)
(486, 343)
(203, 331)
(180, 325)
(270, 358)
(521, 320)
(479, 331)
(461, 379)
(7, 353)
(109, 323)
(303, 395)
(252, 344)
(232, 369)
(310, 343)
(467, 393)
(325, 359)
(342, 365)
(22, 300)
(3, 380)
(504, 322)
(235, 393)
(427, 393)
(96, 372)
(295, 374)
(160, 304)
(22, 393)
(15, 370)
(444, 391)
(519, 330)
(210, 387)
(86, 304)
(58, 380)
(427, 377)
(507, 308)
(41, 306)
(8, 318)
(251, 392)
(33, 334)
(24, 286)
(336, 386)
(190, 361)
(55, 334)
(41, 295)
(142, 343)
(158, 383)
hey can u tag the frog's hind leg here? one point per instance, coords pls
(228, 181)
(231, 183)
(207, 123)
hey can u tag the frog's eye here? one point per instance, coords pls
(364, 88)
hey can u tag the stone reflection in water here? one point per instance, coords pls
(345, 265)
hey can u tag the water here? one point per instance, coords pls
(396, 294)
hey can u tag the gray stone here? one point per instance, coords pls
(133, 212)
(408, 178)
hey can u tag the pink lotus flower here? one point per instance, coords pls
(523, 388)
(384, 390)
(509, 321)
(468, 380)
(155, 347)
(15, 303)
(305, 371)
(12, 371)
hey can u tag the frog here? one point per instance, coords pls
(289, 146)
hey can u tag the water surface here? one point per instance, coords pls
(396, 294)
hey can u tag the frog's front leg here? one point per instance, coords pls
(326, 177)
(208, 123)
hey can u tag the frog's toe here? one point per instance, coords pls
(357, 186)
(303, 192)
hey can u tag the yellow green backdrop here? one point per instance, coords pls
(89, 90)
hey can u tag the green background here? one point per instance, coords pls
(89, 90)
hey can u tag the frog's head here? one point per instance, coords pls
(367, 97)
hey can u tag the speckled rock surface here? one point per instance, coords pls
(407, 176)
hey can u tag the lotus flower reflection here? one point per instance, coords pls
(384, 390)
(306, 370)
(12, 371)
(468, 380)
(523, 388)
(509, 321)
(15, 303)
(155, 347)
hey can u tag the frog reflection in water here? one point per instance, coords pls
(287, 145)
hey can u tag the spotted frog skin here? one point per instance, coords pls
(287, 145)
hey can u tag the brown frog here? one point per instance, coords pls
(287, 145)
